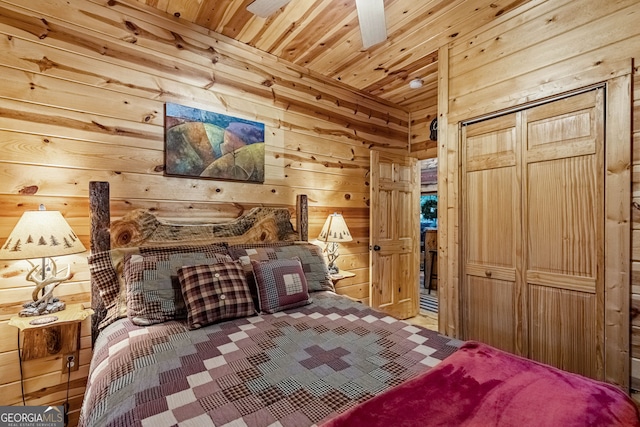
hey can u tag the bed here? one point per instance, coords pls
(239, 325)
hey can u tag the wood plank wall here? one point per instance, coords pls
(420, 145)
(544, 48)
(84, 86)
(82, 98)
(635, 238)
(422, 112)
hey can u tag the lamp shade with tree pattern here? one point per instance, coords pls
(42, 234)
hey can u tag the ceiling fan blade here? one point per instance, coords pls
(266, 8)
(372, 23)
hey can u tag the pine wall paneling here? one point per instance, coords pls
(84, 87)
(420, 145)
(635, 240)
(448, 190)
(84, 84)
(550, 48)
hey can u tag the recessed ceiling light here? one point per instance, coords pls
(415, 83)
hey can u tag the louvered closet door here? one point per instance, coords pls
(564, 231)
(491, 243)
(532, 234)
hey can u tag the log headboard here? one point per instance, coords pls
(143, 228)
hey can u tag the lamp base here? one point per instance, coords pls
(332, 256)
(32, 308)
(46, 277)
(333, 269)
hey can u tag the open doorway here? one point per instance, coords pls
(428, 277)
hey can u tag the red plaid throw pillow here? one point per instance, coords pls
(215, 292)
(281, 285)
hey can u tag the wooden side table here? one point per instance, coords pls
(343, 274)
(51, 334)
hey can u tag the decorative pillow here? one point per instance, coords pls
(106, 269)
(281, 285)
(310, 255)
(153, 290)
(215, 292)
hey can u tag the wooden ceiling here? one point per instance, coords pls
(324, 36)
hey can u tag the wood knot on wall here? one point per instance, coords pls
(45, 64)
(132, 27)
(29, 190)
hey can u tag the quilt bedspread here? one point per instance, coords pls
(291, 369)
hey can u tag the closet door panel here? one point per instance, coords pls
(561, 232)
(491, 257)
(491, 240)
(495, 325)
(491, 198)
(554, 315)
(564, 237)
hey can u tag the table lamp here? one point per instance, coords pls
(42, 234)
(335, 230)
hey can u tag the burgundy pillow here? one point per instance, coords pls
(215, 292)
(281, 284)
(310, 256)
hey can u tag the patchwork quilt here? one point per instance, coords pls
(295, 368)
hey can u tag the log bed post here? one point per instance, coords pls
(100, 216)
(302, 217)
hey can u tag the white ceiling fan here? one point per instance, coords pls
(370, 15)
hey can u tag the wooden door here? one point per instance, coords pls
(564, 230)
(394, 234)
(533, 233)
(492, 284)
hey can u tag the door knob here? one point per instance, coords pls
(376, 248)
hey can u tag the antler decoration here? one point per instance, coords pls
(332, 256)
(47, 303)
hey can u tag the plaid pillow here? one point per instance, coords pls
(215, 292)
(310, 256)
(153, 289)
(105, 269)
(281, 285)
(107, 274)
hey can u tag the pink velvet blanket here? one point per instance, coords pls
(482, 386)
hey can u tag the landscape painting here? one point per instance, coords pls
(205, 144)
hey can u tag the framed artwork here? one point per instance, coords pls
(204, 144)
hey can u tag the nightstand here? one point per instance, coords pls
(342, 274)
(51, 334)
